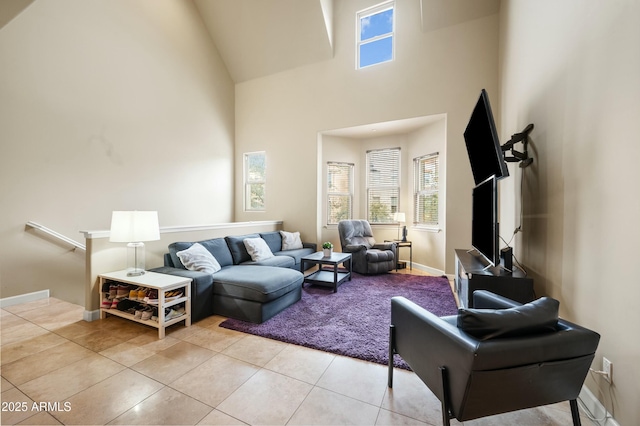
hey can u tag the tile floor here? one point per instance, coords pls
(58, 369)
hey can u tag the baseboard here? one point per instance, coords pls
(595, 408)
(427, 269)
(24, 298)
(89, 316)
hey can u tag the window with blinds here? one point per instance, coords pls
(425, 198)
(339, 192)
(383, 184)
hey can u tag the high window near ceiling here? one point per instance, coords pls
(383, 184)
(339, 192)
(255, 181)
(426, 187)
(375, 35)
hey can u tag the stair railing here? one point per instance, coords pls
(75, 244)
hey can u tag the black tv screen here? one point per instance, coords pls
(484, 225)
(483, 145)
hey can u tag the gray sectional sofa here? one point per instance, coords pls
(244, 289)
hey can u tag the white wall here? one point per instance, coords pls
(573, 69)
(430, 242)
(437, 72)
(106, 105)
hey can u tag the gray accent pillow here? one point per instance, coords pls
(273, 239)
(534, 317)
(238, 249)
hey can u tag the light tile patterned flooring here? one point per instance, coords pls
(114, 371)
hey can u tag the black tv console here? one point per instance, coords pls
(472, 275)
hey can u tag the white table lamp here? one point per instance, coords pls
(133, 228)
(400, 218)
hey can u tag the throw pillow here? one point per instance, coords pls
(198, 258)
(533, 317)
(291, 240)
(257, 249)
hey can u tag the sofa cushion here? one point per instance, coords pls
(216, 246)
(237, 248)
(273, 239)
(291, 240)
(198, 258)
(295, 254)
(537, 316)
(257, 249)
(277, 261)
(257, 283)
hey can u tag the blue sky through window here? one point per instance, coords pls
(375, 25)
(376, 38)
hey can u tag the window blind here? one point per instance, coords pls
(339, 192)
(383, 184)
(426, 188)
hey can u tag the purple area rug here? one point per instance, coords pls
(354, 321)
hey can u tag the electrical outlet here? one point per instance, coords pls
(607, 367)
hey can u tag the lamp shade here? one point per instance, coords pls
(399, 217)
(134, 226)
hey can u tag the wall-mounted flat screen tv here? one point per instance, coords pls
(483, 145)
(484, 225)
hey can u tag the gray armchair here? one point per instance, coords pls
(367, 256)
(498, 357)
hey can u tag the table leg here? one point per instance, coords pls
(335, 277)
(411, 257)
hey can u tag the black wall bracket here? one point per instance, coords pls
(517, 156)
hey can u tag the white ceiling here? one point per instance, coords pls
(396, 127)
(9, 9)
(444, 13)
(257, 38)
(261, 37)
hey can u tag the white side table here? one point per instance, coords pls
(151, 280)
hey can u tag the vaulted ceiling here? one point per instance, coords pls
(260, 37)
(257, 38)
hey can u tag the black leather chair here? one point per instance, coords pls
(493, 359)
(367, 256)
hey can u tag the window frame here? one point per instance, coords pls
(422, 192)
(374, 10)
(248, 182)
(351, 174)
(370, 187)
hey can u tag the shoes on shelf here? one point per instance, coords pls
(138, 312)
(146, 314)
(122, 292)
(173, 313)
(114, 303)
(142, 293)
(133, 294)
(106, 303)
(173, 294)
(113, 291)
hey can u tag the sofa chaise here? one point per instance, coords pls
(242, 288)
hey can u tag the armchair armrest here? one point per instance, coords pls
(427, 342)
(385, 246)
(353, 248)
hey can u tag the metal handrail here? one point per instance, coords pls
(75, 244)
